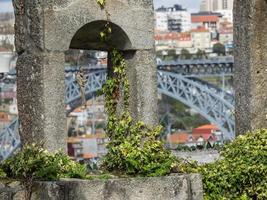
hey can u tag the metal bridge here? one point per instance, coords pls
(206, 99)
(203, 67)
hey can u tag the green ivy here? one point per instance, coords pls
(241, 174)
(101, 3)
(133, 148)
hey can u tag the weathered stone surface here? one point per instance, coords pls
(41, 99)
(143, 89)
(175, 187)
(250, 64)
(62, 23)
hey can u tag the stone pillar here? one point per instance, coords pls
(40, 80)
(250, 38)
(41, 103)
(142, 75)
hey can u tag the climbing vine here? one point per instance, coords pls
(133, 147)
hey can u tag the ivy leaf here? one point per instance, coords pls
(101, 3)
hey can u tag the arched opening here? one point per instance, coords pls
(88, 55)
(88, 37)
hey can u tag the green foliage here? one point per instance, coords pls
(219, 49)
(2, 174)
(134, 150)
(200, 54)
(101, 3)
(35, 163)
(185, 54)
(241, 174)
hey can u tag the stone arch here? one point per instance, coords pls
(88, 37)
(44, 31)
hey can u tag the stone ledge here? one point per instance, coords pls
(174, 187)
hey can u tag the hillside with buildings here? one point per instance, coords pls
(177, 29)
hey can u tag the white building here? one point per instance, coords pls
(201, 38)
(161, 21)
(206, 6)
(173, 18)
(227, 15)
(214, 5)
(7, 61)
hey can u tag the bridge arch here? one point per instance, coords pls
(203, 99)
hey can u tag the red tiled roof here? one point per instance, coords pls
(89, 155)
(173, 36)
(204, 18)
(178, 138)
(200, 29)
(205, 129)
(226, 30)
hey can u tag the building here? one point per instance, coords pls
(172, 19)
(161, 21)
(203, 136)
(207, 134)
(206, 6)
(207, 19)
(227, 15)
(201, 38)
(223, 5)
(226, 35)
(173, 40)
(214, 5)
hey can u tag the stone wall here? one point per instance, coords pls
(180, 187)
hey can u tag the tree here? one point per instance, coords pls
(185, 54)
(219, 49)
(200, 54)
(172, 53)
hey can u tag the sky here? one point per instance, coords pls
(192, 5)
(5, 5)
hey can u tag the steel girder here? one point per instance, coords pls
(204, 67)
(9, 140)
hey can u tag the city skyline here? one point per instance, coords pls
(191, 5)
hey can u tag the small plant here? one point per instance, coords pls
(38, 164)
(134, 149)
(33, 163)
